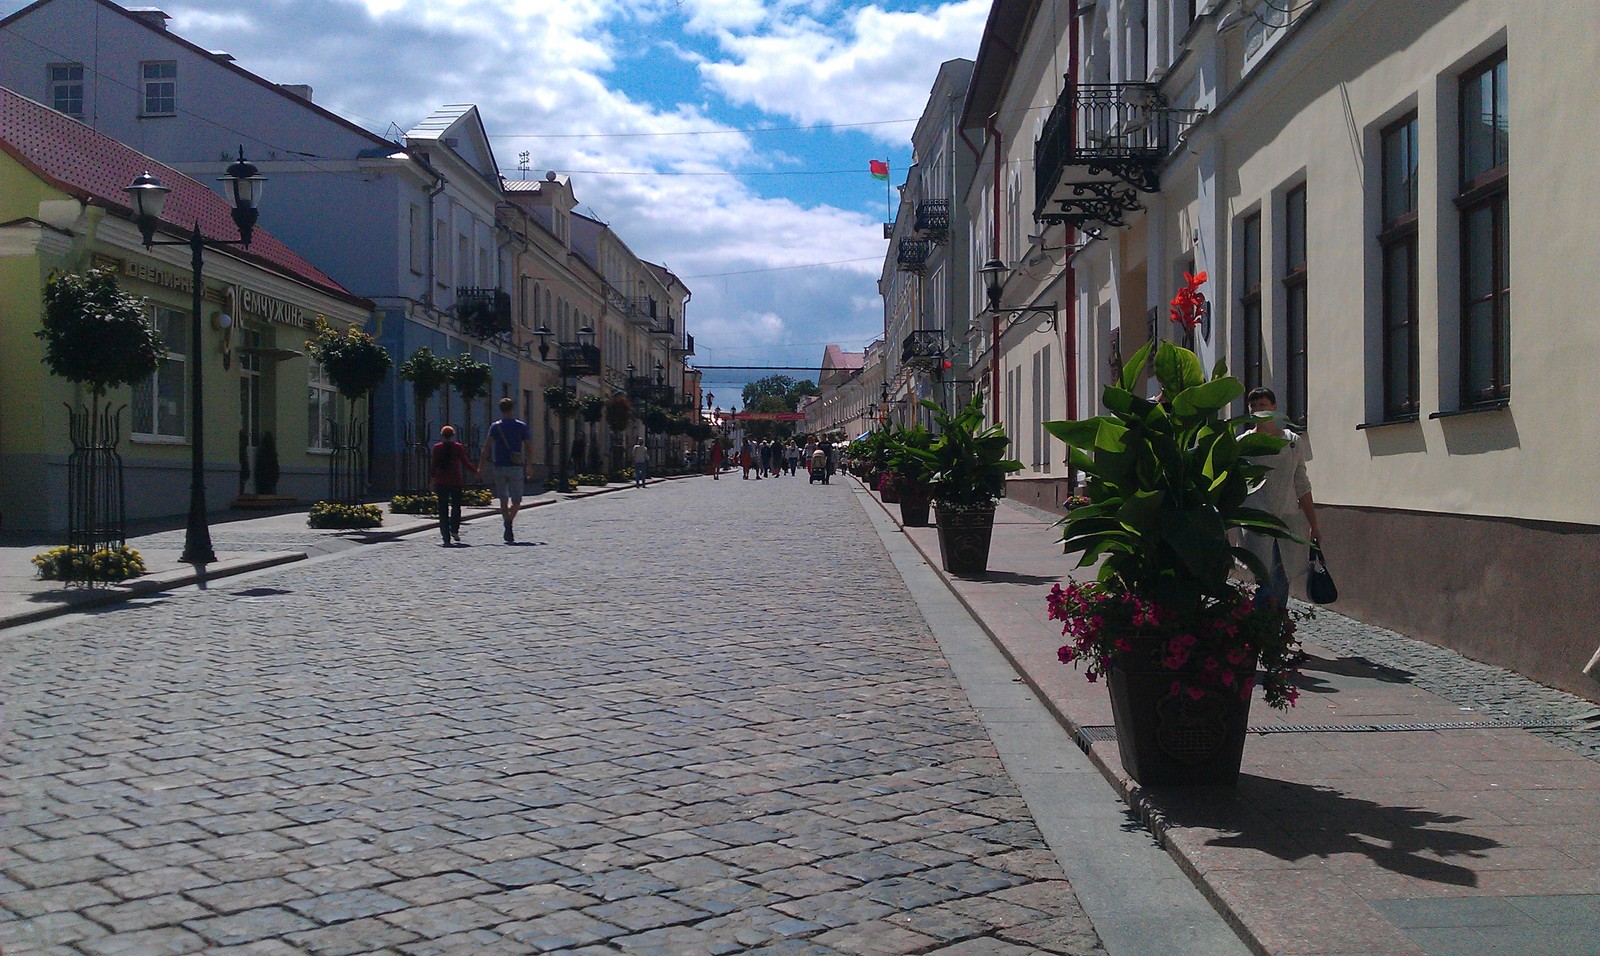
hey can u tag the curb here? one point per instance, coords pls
(156, 583)
(1125, 787)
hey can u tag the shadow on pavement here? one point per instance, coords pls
(1321, 822)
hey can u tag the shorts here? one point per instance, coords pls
(507, 481)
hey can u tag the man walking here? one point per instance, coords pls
(641, 463)
(508, 453)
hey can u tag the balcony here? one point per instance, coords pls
(661, 325)
(642, 388)
(1101, 147)
(923, 349)
(933, 219)
(913, 255)
(578, 360)
(643, 309)
(688, 344)
(484, 312)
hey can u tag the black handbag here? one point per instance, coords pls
(1319, 583)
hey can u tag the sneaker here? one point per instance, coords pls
(510, 538)
(456, 535)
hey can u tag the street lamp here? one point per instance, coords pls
(148, 197)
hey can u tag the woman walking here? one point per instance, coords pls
(449, 460)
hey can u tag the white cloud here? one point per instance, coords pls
(872, 65)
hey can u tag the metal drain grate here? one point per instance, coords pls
(1106, 734)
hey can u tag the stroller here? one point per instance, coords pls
(819, 470)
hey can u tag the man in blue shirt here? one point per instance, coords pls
(508, 455)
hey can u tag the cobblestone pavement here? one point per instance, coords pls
(699, 718)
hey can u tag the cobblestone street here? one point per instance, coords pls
(704, 717)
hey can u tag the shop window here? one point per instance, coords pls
(322, 403)
(160, 402)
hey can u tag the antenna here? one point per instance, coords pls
(524, 163)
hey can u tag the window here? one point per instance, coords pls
(463, 261)
(1397, 239)
(1294, 291)
(1485, 236)
(524, 293)
(416, 239)
(441, 252)
(160, 88)
(160, 406)
(321, 406)
(1250, 300)
(66, 88)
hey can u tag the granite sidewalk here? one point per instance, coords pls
(1414, 803)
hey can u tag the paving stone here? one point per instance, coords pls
(348, 905)
(247, 926)
(149, 913)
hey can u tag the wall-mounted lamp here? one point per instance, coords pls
(994, 274)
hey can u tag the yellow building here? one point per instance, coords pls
(63, 209)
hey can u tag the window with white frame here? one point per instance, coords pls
(160, 406)
(66, 88)
(160, 87)
(321, 407)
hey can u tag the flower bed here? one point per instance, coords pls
(116, 563)
(428, 503)
(332, 514)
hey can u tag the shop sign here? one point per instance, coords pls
(178, 281)
(270, 308)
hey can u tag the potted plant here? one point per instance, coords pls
(1179, 639)
(909, 464)
(969, 468)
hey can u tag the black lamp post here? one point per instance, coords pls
(148, 197)
(574, 361)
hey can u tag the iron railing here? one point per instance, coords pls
(577, 360)
(347, 471)
(922, 348)
(913, 254)
(1099, 134)
(933, 218)
(484, 312)
(96, 503)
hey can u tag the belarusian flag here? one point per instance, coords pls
(880, 169)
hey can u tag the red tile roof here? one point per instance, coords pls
(837, 358)
(95, 168)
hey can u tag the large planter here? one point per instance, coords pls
(889, 489)
(964, 535)
(1173, 740)
(914, 507)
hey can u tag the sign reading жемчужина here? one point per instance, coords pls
(270, 308)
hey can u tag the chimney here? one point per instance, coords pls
(298, 89)
(221, 56)
(150, 16)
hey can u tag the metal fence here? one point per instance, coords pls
(96, 503)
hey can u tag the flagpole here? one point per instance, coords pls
(888, 207)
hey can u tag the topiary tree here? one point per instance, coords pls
(619, 414)
(354, 360)
(427, 373)
(97, 336)
(472, 380)
(593, 408)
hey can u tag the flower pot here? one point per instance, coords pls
(914, 507)
(889, 490)
(964, 535)
(1168, 739)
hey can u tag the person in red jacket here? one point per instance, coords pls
(450, 460)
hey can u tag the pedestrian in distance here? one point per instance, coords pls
(716, 461)
(508, 455)
(1286, 494)
(746, 454)
(449, 462)
(641, 463)
(819, 464)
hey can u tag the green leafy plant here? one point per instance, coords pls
(115, 563)
(1167, 482)
(333, 514)
(95, 334)
(427, 373)
(908, 452)
(354, 360)
(967, 460)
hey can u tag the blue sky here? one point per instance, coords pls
(662, 93)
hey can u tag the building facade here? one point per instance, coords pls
(63, 210)
(1348, 193)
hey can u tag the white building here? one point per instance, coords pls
(1341, 170)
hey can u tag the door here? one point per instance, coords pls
(249, 406)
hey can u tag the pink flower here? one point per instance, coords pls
(1237, 657)
(1227, 678)
(1195, 693)
(1124, 645)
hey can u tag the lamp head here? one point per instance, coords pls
(147, 197)
(994, 274)
(245, 184)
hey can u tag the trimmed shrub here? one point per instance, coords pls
(332, 514)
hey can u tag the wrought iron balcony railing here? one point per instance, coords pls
(923, 348)
(913, 255)
(933, 219)
(1101, 147)
(642, 388)
(484, 312)
(578, 360)
(643, 309)
(688, 343)
(662, 325)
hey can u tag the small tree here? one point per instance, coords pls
(593, 408)
(472, 380)
(427, 373)
(354, 360)
(97, 335)
(619, 414)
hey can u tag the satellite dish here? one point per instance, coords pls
(550, 175)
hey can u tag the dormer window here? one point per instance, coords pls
(66, 88)
(160, 88)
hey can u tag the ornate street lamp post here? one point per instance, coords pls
(147, 197)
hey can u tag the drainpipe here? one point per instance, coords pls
(427, 293)
(1071, 347)
(994, 326)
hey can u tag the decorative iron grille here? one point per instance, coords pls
(913, 255)
(347, 471)
(923, 348)
(484, 312)
(96, 504)
(933, 219)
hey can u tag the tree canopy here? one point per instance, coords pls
(785, 387)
